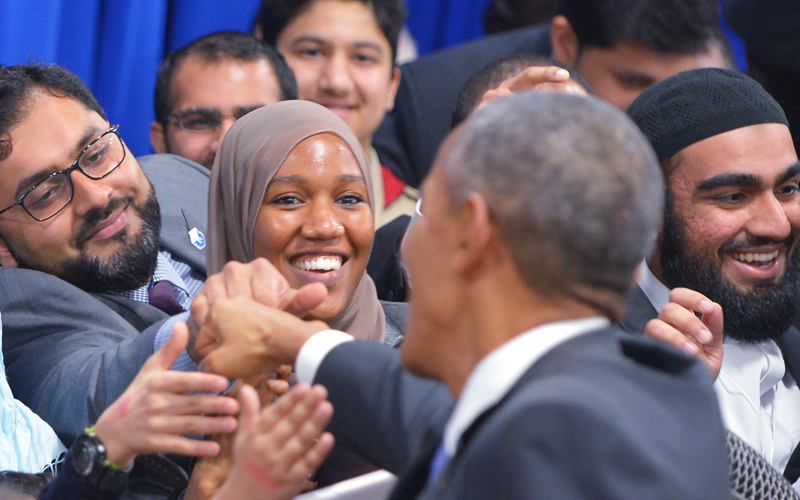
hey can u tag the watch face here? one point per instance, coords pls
(85, 453)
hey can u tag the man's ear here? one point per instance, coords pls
(564, 41)
(476, 233)
(394, 84)
(158, 137)
(6, 259)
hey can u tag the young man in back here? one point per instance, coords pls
(342, 53)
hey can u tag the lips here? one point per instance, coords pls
(115, 223)
(322, 263)
(342, 110)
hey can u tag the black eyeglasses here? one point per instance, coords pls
(47, 198)
(205, 119)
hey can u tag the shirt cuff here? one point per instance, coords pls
(184, 363)
(314, 351)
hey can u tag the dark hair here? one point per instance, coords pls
(276, 14)
(675, 26)
(223, 45)
(495, 73)
(19, 85)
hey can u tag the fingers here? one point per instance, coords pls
(313, 458)
(268, 285)
(660, 330)
(183, 382)
(534, 76)
(712, 316)
(165, 357)
(248, 415)
(305, 299)
(179, 445)
(191, 424)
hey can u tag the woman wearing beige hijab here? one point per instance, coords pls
(290, 183)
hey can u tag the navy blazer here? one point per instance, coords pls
(603, 415)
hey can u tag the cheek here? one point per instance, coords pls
(307, 76)
(272, 235)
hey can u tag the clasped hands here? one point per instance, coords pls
(246, 320)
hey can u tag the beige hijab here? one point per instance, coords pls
(248, 158)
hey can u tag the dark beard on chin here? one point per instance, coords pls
(751, 316)
(129, 268)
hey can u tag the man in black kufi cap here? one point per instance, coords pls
(730, 233)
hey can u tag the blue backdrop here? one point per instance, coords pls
(116, 45)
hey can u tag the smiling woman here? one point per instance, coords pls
(290, 183)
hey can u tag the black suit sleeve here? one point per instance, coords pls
(379, 409)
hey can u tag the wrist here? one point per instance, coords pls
(117, 455)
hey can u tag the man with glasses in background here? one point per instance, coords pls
(91, 286)
(204, 87)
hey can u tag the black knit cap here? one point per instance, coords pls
(695, 105)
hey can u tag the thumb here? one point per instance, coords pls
(169, 352)
(305, 299)
(248, 413)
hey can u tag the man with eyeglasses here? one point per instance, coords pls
(90, 288)
(204, 87)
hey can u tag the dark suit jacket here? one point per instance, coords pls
(604, 415)
(411, 133)
(70, 354)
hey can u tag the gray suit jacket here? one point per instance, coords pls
(68, 353)
(604, 415)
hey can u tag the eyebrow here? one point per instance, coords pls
(745, 180)
(299, 179)
(320, 41)
(729, 180)
(792, 171)
(25, 184)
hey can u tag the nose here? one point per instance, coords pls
(770, 218)
(322, 223)
(335, 78)
(89, 194)
(219, 134)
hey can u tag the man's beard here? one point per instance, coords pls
(129, 268)
(751, 316)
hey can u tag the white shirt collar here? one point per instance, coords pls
(497, 373)
(653, 289)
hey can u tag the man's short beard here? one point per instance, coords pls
(751, 316)
(129, 268)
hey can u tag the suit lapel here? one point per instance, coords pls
(638, 311)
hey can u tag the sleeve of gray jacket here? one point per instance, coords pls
(68, 356)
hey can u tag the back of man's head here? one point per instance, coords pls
(673, 27)
(19, 84)
(218, 47)
(573, 184)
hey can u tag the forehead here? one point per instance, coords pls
(336, 22)
(638, 58)
(224, 84)
(320, 155)
(48, 138)
(765, 150)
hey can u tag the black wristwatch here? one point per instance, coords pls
(89, 462)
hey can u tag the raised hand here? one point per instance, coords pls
(277, 448)
(679, 325)
(153, 412)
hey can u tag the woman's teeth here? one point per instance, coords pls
(327, 263)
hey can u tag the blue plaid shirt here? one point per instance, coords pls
(187, 283)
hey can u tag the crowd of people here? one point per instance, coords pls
(556, 262)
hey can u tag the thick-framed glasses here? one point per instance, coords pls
(99, 158)
(203, 120)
